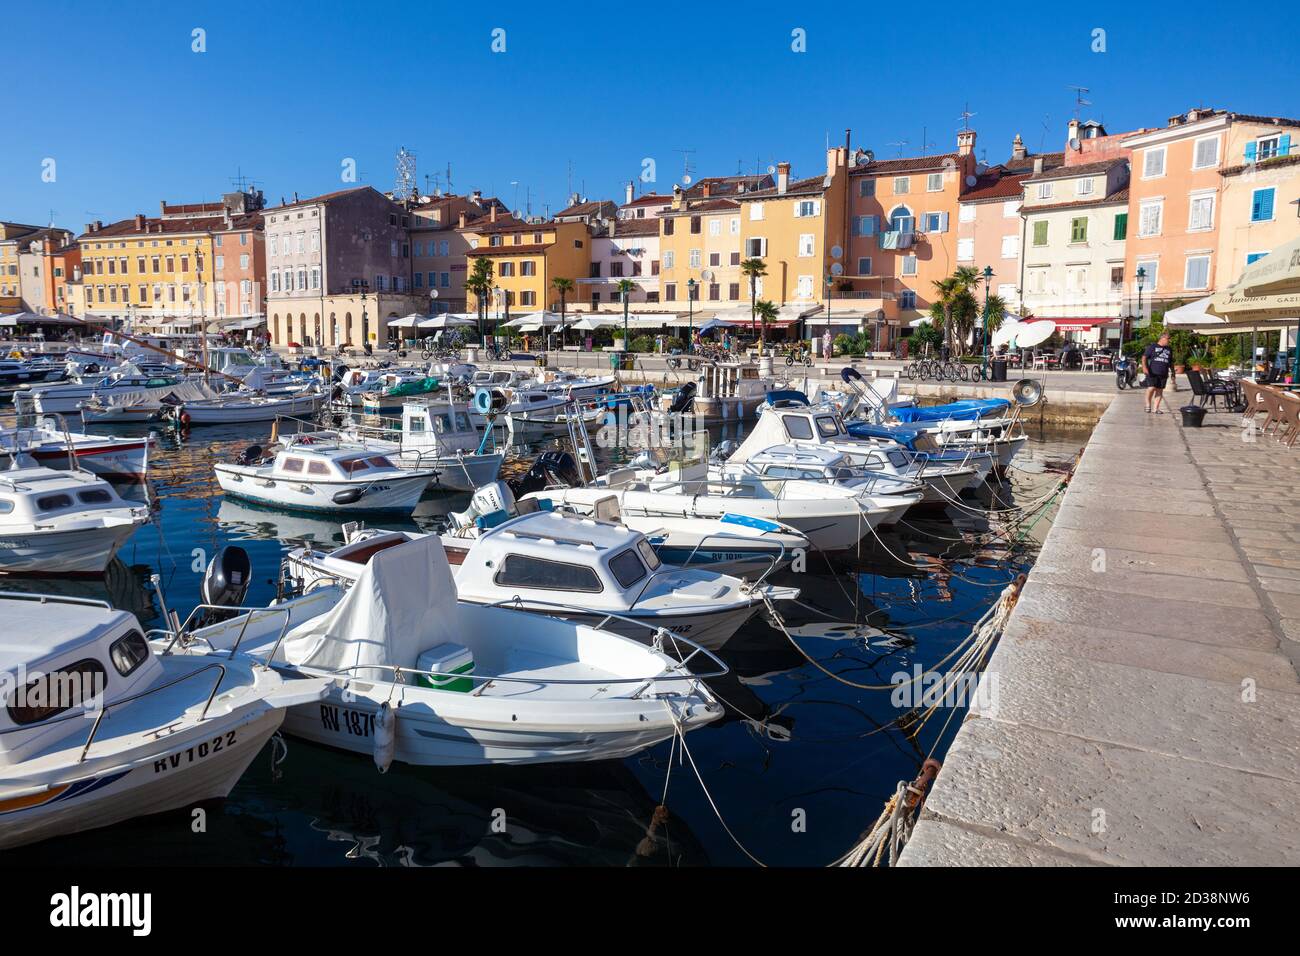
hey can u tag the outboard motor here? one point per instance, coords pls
(724, 450)
(550, 469)
(250, 455)
(684, 400)
(489, 499)
(225, 583)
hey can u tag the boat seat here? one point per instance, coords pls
(363, 555)
(491, 519)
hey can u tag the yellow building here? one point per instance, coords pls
(1259, 195)
(526, 257)
(699, 239)
(795, 227)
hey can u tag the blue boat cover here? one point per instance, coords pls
(963, 411)
(787, 395)
(898, 433)
(760, 524)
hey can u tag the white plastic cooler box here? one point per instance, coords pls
(452, 662)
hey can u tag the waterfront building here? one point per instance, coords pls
(526, 257)
(439, 244)
(338, 268)
(11, 298)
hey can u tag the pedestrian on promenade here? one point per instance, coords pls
(827, 344)
(1156, 362)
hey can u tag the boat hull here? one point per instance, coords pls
(395, 495)
(77, 551)
(203, 763)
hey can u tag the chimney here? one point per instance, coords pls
(629, 193)
(1038, 165)
(965, 142)
(162, 207)
(492, 213)
(99, 224)
(573, 199)
(610, 222)
(139, 222)
(1018, 150)
(462, 219)
(677, 196)
(836, 158)
(706, 188)
(782, 177)
(1072, 131)
(476, 195)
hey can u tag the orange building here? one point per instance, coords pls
(902, 235)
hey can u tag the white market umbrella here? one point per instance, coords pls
(407, 321)
(1032, 333)
(446, 320)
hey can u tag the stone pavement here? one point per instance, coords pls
(1145, 708)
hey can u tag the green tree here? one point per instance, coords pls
(753, 269)
(766, 312)
(479, 284)
(563, 286)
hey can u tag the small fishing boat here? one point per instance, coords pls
(238, 408)
(67, 397)
(143, 405)
(424, 678)
(61, 522)
(47, 442)
(395, 388)
(315, 472)
(100, 728)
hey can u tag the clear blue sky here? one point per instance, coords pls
(114, 94)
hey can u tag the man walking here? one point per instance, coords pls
(1156, 361)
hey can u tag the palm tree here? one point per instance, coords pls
(995, 310)
(480, 284)
(945, 291)
(766, 312)
(755, 269)
(625, 287)
(564, 287)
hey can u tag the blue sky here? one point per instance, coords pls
(114, 94)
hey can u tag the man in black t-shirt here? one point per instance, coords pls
(1156, 361)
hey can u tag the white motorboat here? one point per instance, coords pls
(144, 405)
(47, 442)
(62, 522)
(423, 678)
(395, 388)
(732, 544)
(237, 408)
(581, 387)
(532, 559)
(833, 517)
(787, 432)
(433, 435)
(730, 391)
(100, 728)
(355, 384)
(315, 472)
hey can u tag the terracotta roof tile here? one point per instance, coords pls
(524, 250)
(995, 186)
(1069, 172)
(907, 164)
(1118, 196)
(324, 197)
(812, 186)
(157, 227)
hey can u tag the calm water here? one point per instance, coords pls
(794, 742)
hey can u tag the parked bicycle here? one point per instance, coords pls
(799, 355)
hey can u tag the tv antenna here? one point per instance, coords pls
(966, 114)
(1079, 101)
(407, 184)
(688, 169)
(926, 146)
(900, 144)
(241, 182)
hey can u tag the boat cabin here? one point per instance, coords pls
(32, 495)
(558, 558)
(305, 461)
(436, 422)
(487, 378)
(810, 427)
(64, 657)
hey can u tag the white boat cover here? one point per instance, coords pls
(767, 431)
(191, 390)
(403, 603)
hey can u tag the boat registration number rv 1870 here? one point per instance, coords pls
(342, 720)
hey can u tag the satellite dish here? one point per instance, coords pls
(836, 269)
(1033, 333)
(971, 180)
(771, 170)
(706, 275)
(686, 180)
(826, 182)
(433, 293)
(1075, 144)
(869, 155)
(836, 252)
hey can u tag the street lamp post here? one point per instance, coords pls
(690, 316)
(830, 285)
(500, 293)
(365, 327)
(988, 277)
(1142, 278)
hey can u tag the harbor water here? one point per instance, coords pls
(799, 767)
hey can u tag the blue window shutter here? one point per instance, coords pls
(1284, 145)
(943, 222)
(1250, 152)
(1268, 204)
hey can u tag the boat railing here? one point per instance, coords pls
(54, 599)
(81, 713)
(660, 638)
(775, 561)
(188, 628)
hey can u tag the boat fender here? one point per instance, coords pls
(185, 418)
(348, 496)
(385, 736)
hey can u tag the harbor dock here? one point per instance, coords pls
(1144, 706)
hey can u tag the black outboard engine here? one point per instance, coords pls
(685, 398)
(550, 469)
(225, 583)
(340, 371)
(250, 455)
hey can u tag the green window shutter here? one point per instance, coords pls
(1040, 233)
(1121, 225)
(1079, 230)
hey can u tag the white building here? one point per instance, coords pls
(1075, 221)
